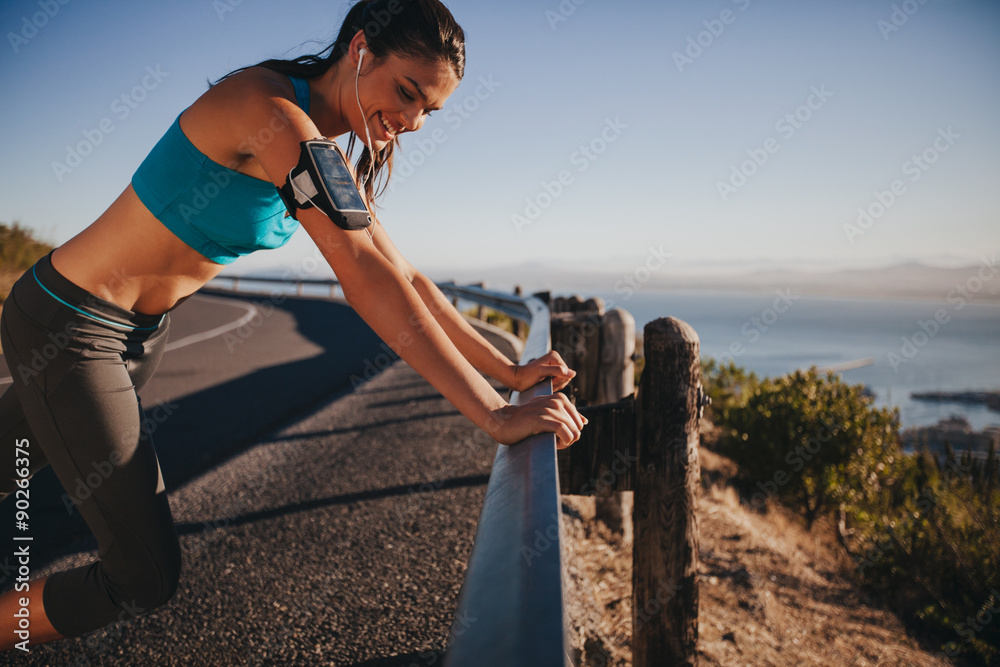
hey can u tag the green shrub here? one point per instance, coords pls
(18, 248)
(810, 440)
(18, 251)
(924, 532)
(932, 548)
(727, 385)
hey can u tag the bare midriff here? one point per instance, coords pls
(129, 258)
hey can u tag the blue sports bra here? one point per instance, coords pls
(219, 212)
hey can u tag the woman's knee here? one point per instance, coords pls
(148, 582)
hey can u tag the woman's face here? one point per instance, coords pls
(397, 95)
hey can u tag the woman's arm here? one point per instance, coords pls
(473, 346)
(383, 296)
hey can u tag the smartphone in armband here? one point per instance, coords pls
(323, 179)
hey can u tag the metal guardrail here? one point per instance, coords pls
(511, 609)
(299, 283)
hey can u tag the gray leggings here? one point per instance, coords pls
(77, 362)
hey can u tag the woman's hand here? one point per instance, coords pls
(543, 414)
(549, 365)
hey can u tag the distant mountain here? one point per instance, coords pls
(911, 280)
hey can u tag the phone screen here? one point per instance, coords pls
(337, 179)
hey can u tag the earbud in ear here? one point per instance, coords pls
(361, 56)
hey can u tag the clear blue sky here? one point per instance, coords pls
(672, 117)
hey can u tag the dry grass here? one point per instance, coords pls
(771, 592)
(7, 279)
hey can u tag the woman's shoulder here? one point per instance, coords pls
(257, 81)
(222, 119)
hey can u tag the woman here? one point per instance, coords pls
(101, 300)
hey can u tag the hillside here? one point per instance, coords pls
(771, 593)
(979, 282)
(18, 251)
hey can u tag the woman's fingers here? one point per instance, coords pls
(566, 421)
(543, 414)
(549, 365)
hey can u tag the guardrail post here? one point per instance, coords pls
(519, 330)
(599, 345)
(665, 547)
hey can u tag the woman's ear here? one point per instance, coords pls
(359, 44)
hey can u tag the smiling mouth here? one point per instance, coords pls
(389, 129)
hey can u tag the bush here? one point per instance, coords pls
(728, 386)
(932, 548)
(18, 248)
(924, 532)
(809, 440)
(18, 251)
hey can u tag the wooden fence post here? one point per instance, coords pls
(665, 547)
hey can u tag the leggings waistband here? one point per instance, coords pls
(71, 295)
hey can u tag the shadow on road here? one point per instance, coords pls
(414, 659)
(208, 427)
(341, 499)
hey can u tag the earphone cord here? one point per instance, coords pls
(371, 152)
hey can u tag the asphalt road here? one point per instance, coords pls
(319, 525)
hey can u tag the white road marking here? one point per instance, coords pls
(251, 312)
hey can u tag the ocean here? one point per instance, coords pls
(915, 346)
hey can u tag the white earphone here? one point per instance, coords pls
(371, 150)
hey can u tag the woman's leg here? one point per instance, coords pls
(84, 413)
(41, 628)
(14, 429)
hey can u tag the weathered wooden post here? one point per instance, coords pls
(665, 547)
(519, 327)
(599, 347)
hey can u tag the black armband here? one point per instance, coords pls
(323, 179)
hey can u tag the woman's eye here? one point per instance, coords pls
(406, 96)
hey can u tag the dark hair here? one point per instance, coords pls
(409, 28)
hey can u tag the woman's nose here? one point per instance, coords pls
(413, 121)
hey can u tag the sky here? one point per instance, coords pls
(586, 133)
